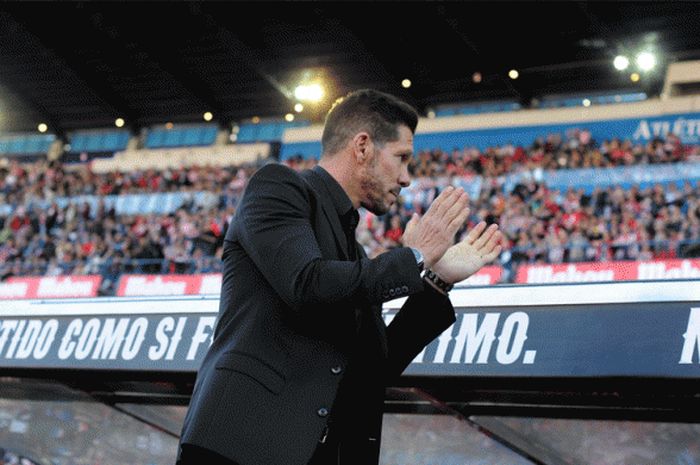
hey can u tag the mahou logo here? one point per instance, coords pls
(579, 273)
(670, 269)
(609, 271)
(154, 285)
(50, 287)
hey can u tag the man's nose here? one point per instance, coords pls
(404, 178)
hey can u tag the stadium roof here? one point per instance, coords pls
(83, 64)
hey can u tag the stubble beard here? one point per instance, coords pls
(374, 194)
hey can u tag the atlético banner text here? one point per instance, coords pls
(582, 330)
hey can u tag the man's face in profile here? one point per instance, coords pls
(386, 172)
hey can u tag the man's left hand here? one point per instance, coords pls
(481, 246)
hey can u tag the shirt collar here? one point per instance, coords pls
(342, 203)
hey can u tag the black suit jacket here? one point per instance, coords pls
(288, 329)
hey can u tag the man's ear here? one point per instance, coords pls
(360, 145)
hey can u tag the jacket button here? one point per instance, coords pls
(404, 289)
(336, 370)
(322, 412)
(392, 292)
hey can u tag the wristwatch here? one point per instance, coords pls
(419, 258)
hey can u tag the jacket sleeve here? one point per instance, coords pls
(422, 318)
(273, 225)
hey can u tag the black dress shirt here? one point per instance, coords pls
(349, 217)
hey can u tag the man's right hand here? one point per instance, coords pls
(434, 232)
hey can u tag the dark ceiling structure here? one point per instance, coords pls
(77, 65)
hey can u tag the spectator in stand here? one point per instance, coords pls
(395, 231)
(149, 252)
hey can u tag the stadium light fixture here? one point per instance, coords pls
(634, 77)
(309, 92)
(119, 122)
(513, 74)
(208, 116)
(289, 117)
(646, 61)
(406, 83)
(298, 107)
(42, 127)
(621, 62)
(586, 102)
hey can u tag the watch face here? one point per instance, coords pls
(418, 255)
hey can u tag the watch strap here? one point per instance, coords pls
(431, 276)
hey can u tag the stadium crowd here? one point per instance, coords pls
(542, 225)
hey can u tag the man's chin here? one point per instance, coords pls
(378, 209)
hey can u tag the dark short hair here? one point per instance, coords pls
(378, 113)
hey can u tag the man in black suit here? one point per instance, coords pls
(301, 355)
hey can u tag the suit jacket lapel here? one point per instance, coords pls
(329, 211)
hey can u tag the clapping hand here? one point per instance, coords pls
(434, 232)
(481, 246)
